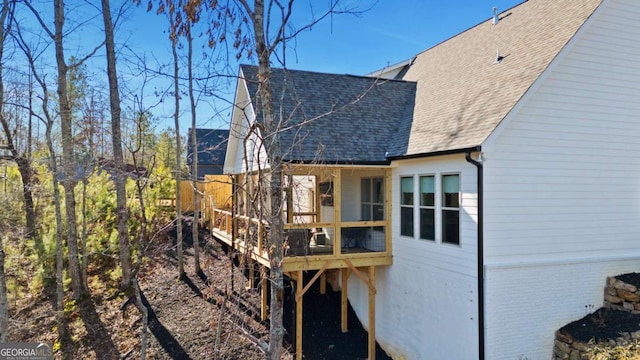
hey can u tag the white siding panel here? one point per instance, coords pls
(562, 179)
(526, 305)
(562, 188)
(427, 300)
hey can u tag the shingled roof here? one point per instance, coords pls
(463, 92)
(451, 97)
(333, 118)
(211, 145)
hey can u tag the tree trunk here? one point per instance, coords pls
(118, 159)
(194, 160)
(24, 164)
(178, 170)
(62, 325)
(275, 240)
(83, 237)
(4, 322)
(68, 158)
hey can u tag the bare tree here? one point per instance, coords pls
(22, 158)
(194, 141)
(118, 159)
(69, 179)
(176, 118)
(48, 121)
(4, 323)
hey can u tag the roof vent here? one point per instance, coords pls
(495, 15)
(499, 57)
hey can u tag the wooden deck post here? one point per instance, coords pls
(263, 292)
(372, 313)
(344, 293)
(323, 283)
(299, 295)
(252, 274)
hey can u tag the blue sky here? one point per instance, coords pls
(390, 32)
(387, 33)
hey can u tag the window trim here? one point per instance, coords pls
(431, 207)
(438, 207)
(372, 203)
(444, 208)
(412, 206)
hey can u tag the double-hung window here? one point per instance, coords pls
(427, 208)
(451, 209)
(406, 206)
(372, 199)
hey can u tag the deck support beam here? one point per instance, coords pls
(251, 276)
(323, 283)
(299, 293)
(370, 281)
(372, 313)
(344, 299)
(264, 281)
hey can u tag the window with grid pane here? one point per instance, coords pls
(372, 199)
(427, 208)
(451, 209)
(406, 206)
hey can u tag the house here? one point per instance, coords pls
(211, 148)
(499, 167)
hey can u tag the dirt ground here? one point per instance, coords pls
(184, 314)
(322, 338)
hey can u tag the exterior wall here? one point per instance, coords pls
(526, 304)
(426, 302)
(562, 187)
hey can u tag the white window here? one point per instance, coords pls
(433, 212)
(427, 207)
(372, 199)
(406, 206)
(451, 209)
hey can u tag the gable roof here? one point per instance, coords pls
(211, 145)
(463, 93)
(333, 118)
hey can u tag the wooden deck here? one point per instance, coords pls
(334, 260)
(319, 236)
(220, 223)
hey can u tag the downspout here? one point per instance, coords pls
(480, 191)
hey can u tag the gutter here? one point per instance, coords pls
(480, 191)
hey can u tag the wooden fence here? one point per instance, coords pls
(215, 190)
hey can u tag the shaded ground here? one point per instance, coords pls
(322, 337)
(184, 315)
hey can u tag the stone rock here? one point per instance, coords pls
(565, 348)
(628, 295)
(575, 355)
(580, 346)
(624, 286)
(612, 299)
(565, 338)
(559, 354)
(611, 291)
(627, 306)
